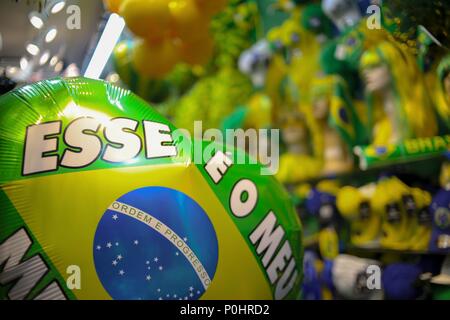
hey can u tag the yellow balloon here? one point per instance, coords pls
(211, 7)
(197, 51)
(113, 5)
(187, 19)
(154, 60)
(147, 19)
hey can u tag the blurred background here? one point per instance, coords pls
(360, 90)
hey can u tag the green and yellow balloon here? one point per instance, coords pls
(101, 199)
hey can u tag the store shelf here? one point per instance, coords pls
(409, 168)
(355, 249)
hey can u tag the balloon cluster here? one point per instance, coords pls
(168, 31)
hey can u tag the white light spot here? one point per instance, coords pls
(51, 35)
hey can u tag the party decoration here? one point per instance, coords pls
(170, 32)
(389, 70)
(298, 163)
(187, 19)
(211, 7)
(295, 168)
(314, 20)
(338, 123)
(317, 283)
(442, 90)
(328, 243)
(389, 200)
(300, 50)
(311, 287)
(164, 53)
(254, 62)
(147, 19)
(342, 55)
(93, 180)
(372, 156)
(402, 214)
(322, 203)
(234, 29)
(197, 51)
(157, 91)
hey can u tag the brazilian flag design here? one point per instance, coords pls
(99, 200)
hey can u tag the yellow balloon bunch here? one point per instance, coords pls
(168, 31)
(113, 5)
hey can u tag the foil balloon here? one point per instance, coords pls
(187, 19)
(197, 51)
(169, 32)
(154, 61)
(101, 199)
(147, 19)
(143, 86)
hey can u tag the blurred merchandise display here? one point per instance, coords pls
(359, 91)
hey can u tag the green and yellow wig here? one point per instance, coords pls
(443, 105)
(342, 114)
(414, 115)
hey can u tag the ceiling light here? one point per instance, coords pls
(36, 19)
(56, 6)
(53, 61)
(105, 46)
(51, 35)
(32, 49)
(44, 58)
(23, 63)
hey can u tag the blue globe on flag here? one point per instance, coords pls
(155, 243)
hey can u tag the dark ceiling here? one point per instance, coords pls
(16, 30)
